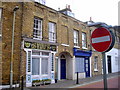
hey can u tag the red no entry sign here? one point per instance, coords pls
(102, 39)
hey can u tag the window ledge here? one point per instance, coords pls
(65, 45)
(76, 46)
(95, 70)
(37, 38)
(84, 48)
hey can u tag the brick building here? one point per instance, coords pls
(48, 44)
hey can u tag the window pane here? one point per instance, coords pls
(44, 65)
(37, 31)
(75, 38)
(84, 43)
(35, 66)
(95, 62)
(35, 53)
(45, 53)
(79, 62)
(52, 32)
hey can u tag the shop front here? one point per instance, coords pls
(39, 61)
(82, 62)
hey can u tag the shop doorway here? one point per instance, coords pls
(87, 67)
(63, 68)
(109, 64)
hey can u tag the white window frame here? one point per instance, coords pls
(52, 32)
(96, 63)
(76, 38)
(0, 22)
(37, 30)
(40, 56)
(84, 40)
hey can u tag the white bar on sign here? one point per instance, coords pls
(101, 39)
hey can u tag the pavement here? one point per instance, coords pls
(72, 83)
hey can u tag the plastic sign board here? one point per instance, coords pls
(102, 39)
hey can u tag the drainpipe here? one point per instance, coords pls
(12, 52)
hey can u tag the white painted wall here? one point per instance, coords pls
(114, 53)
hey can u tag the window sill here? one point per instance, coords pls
(37, 38)
(76, 46)
(65, 45)
(95, 70)
(53, 41)
(44, 74)
(84, 48)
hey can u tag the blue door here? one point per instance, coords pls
(87, 67)
(63, 68)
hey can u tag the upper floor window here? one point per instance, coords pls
(76, 34)
(84, 40)
(95, 63)
(52, 32)
(37, 31)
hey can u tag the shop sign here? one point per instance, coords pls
(41, 46)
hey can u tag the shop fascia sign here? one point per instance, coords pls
(41, 46)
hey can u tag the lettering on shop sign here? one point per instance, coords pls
(41, 46)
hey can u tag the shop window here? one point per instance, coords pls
(35, 66)
(37, 31)
(52, 32)
(76, 34)
(45, 53)
(79, 63)
(84, 40)
(95, 63)
(35, 53)
(40, 62)
(44, 65)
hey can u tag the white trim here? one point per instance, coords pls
(101, 39)
(95, 70)
(59, 69)
(76, 46)
(84, 48)
(90, 67)
(65, 45)
(8, 86)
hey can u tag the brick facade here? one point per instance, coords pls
(24, 29)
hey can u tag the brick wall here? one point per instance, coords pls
(7, 39)
(0, 49)
(24, 28)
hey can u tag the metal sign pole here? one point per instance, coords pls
(104, 71)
